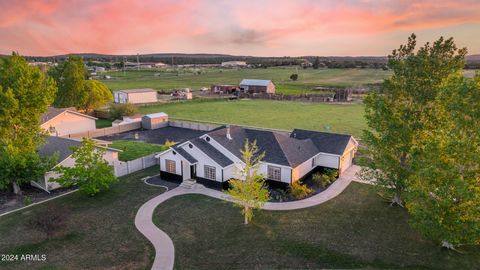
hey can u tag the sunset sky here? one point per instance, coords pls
(257, 27)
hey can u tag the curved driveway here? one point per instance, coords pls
(164, 249)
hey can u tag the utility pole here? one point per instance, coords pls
(124, 62)
(138, 63)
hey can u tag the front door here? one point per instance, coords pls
(193, 171)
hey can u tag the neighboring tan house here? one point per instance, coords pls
(135, 96)
(257, 86)
(62, 148)
(62, 122)
(214, 158)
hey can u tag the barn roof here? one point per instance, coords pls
(255, 82)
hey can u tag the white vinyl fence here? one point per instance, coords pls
(122, 168)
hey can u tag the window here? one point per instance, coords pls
(274, 173)
(170, 166)
(209, 172)
(313, 162)
(207, 139)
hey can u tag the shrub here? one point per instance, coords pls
(27, 200)
(279, 195)
(50, 221)
(118, 111)
(299, 190)
(294, 77)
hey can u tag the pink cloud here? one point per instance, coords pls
(46, 27)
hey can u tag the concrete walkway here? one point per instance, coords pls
(164, 249)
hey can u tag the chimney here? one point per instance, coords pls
(229, 137)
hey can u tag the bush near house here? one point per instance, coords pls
(299, 190)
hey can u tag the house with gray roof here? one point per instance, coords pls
(62, 149)
(215, 157)
(252, 86)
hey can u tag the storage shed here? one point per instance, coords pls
(155, 120)
(135, 96)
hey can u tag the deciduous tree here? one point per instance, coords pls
(70, 77)
(25, 94)
(444, 192)
(398, 115)
(91, 172)
(251, 193)
(96, 95)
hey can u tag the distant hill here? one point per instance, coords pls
(473, 61)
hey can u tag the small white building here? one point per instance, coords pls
(62, 147)
(62, 122)
(135, 96)
(214, 158)
(155, 120)
(230, 64)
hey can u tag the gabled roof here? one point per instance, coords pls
(141, 90)
(63, 146)
(331, 143)
(282, 148)
(255, 82)
(185, 154)
(58, 145)
(212, 152)
(54, 112)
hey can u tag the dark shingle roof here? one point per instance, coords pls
(212, 152)
(331, 143)
(266, 142)
(50, 113)
(281, 147)
(185, 154)
(58, 145)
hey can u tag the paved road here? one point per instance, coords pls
(164, 249)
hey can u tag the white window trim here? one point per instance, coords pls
(272, 176)
(174, 166)
(208, 167)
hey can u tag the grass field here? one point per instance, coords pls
(343, 118)
(103, 123)
(308, 78)
(100, 233)
(355, 230)
(133, 150)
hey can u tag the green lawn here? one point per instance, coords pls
(100, 234)
(133, 150)
(103, 123)
(355, 230)
(308, 78)
(343, 118)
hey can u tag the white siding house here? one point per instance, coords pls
(214, 158)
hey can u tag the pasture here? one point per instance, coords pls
(342, 118)
(198, 78)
